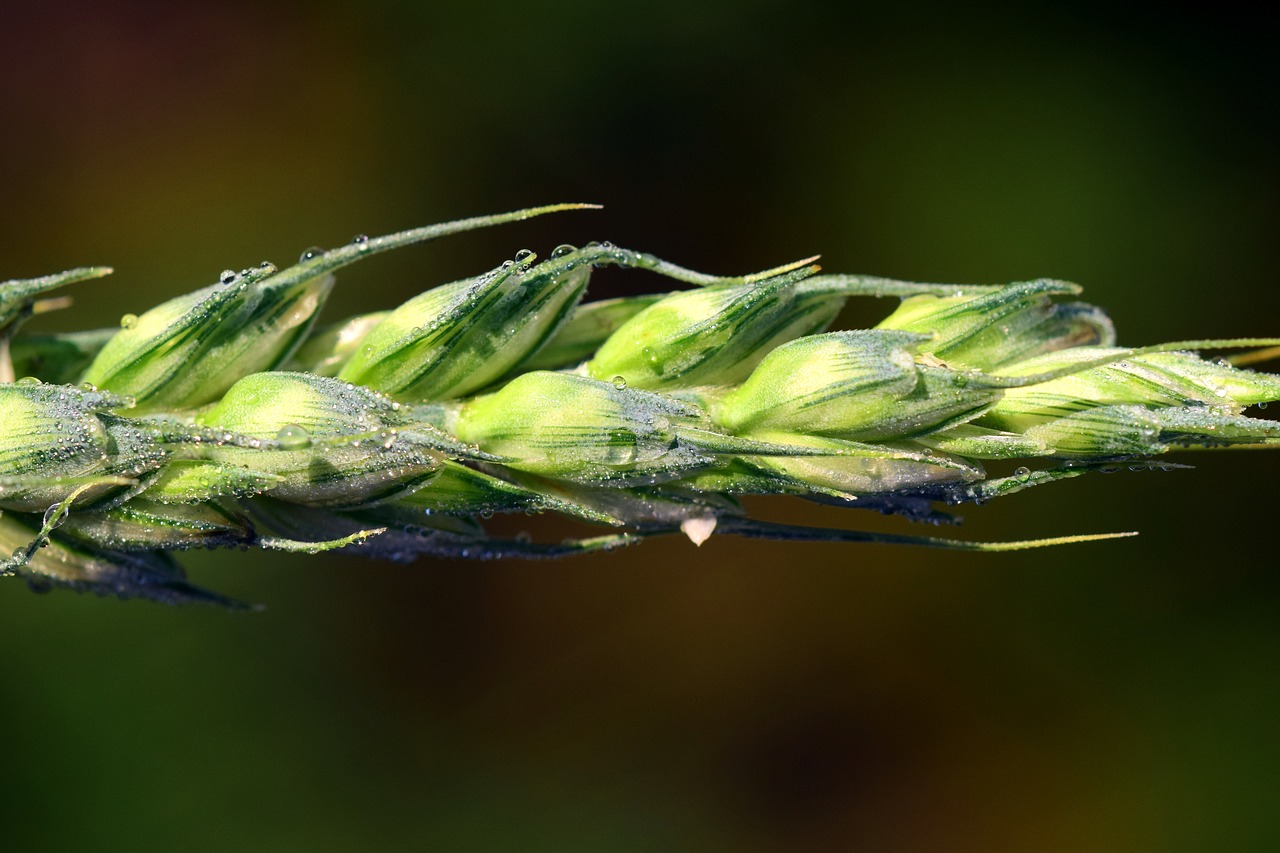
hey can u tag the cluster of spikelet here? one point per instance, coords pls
(227, 418)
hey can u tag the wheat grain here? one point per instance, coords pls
(224, 418)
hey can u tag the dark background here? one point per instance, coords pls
(742, 696)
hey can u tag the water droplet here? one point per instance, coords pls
(1022, 473)
(621, 449)
(563, 249)
(228, 276)
(1262, 404)
(310, 254)
(620, 383)
(361, 241)
(523, 256)
(699, 529)
(128, 321)
(293, 437)
(49, 516)
(620, 454)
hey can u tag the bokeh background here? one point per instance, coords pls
(741, 696)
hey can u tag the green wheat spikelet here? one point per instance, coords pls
(228, 418)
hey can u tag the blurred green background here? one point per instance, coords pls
(741, 696)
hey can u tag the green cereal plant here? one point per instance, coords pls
(228, 418)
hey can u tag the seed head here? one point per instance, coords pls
(57, 439)
(457, 339)
(1153, 380)
(398, 433)
(712, 336)
(188, 351)
(575, 428)
(991, 329)
(861, 385)
(328, 442)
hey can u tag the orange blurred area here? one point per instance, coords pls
(739, 696)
